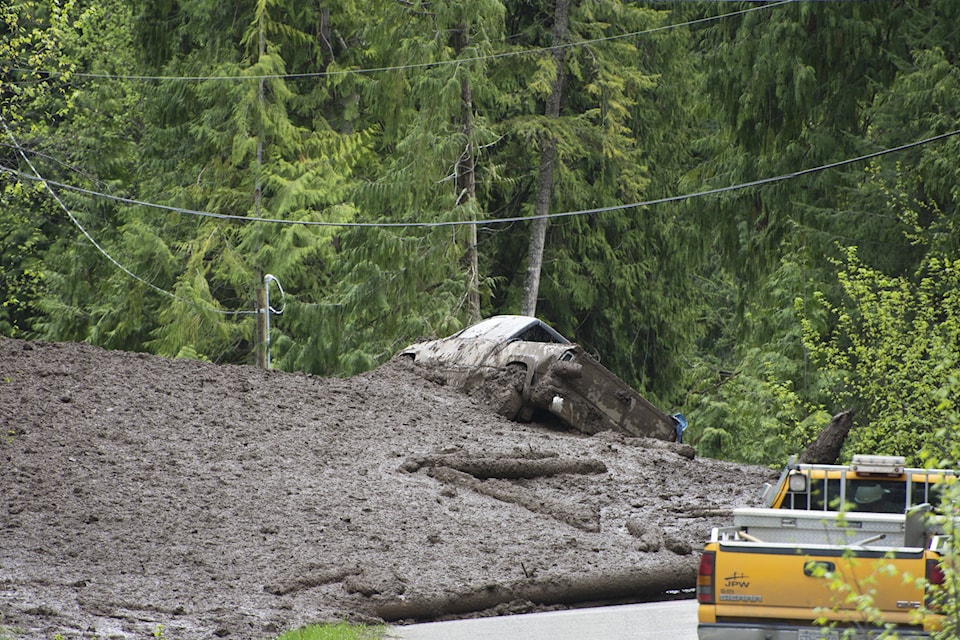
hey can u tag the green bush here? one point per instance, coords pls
(891, 343)
(338, 631)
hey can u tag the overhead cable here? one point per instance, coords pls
(425, 65)
(489, 221)
(93, 240)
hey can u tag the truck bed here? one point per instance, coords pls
(830, 528)
(780, 574)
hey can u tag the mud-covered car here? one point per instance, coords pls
(520, 365)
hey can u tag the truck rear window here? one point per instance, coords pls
(875, 495)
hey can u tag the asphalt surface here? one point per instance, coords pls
(672, 620)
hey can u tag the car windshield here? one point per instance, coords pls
(504, 328)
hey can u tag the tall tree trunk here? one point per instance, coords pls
(548, 156)
(261, 93)
(467, 181)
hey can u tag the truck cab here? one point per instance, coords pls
(873, 484)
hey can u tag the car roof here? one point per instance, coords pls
(509, 327)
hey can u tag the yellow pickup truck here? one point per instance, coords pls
(839, 552)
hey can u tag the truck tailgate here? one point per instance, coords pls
(806, 582)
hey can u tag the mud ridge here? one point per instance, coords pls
(582, 517)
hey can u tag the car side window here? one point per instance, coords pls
(536, 333)
(930, 492)
(826, 495)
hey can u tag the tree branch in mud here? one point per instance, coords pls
(509, 468)
(580, 516)
(491, 476)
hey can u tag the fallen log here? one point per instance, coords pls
(635, 583)
(512, 468)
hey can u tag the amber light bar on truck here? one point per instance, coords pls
(878, 465)
(705, 578)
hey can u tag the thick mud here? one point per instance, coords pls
(226, 501)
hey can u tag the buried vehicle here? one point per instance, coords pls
(520, 365)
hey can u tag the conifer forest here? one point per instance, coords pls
(746, 210)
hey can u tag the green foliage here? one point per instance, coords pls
(754, 397)
(795, 87)
(390, 285)
(891, 343)
(337, 631)
(379, 304)
(22, 279)
(30, 48)
(31, 38)
(77, 135)
(943, 451)
(754, 414)
(836, 79)
(786, 91)
(238, 147)
(944, 597)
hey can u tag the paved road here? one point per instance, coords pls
(674, 620)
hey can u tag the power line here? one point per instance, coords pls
(425, 65)
(484, 222)
(755, 183)
(89, 237)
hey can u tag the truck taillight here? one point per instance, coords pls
(705, 575)
(935, 580)
(934, 572)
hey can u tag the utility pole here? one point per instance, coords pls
(263, 337)
(263, 318)
(263, 309)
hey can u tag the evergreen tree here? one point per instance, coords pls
(246, 141)
(71, 131)
(396, 283)
(616, 281)
(799, 86)
(923, 101)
